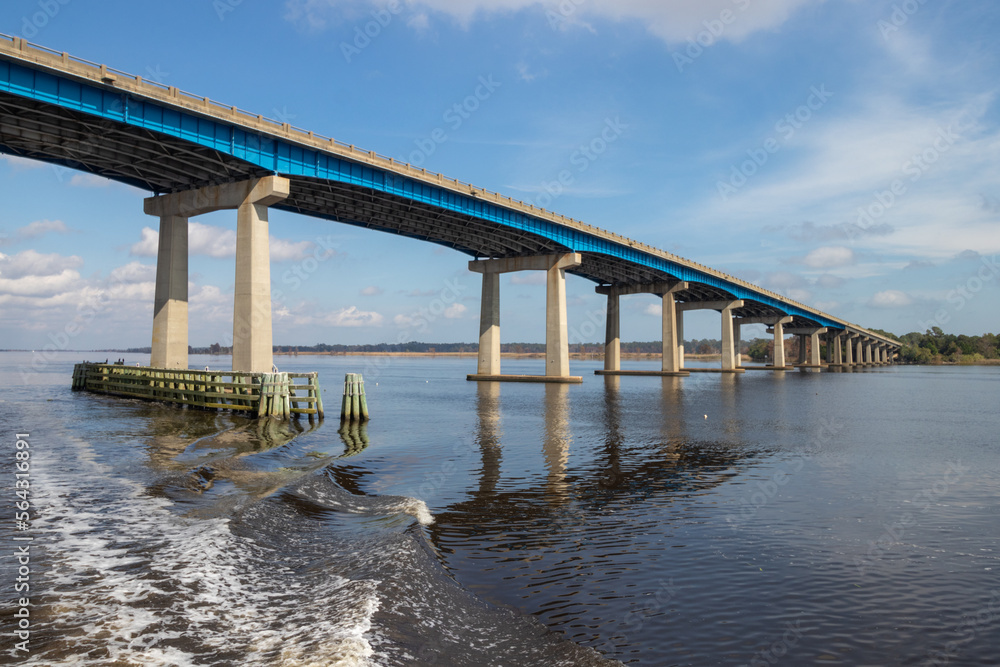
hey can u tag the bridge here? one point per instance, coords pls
(196, 155)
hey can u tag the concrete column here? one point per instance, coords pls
(868, 353)
(859, 351)
(838, 352)
(672, 357)
(253, 348)
(612, 338)
(680, 341)
(802, 348)
(556, 326)
(728, 353)
(170, 309)
(737, 335)
(815, 359)
(849, 351)
(830, 338)
(779, 345)
(489, 326)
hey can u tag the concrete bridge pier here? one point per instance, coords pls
(556, 327)
(838, 350)
(671, 360)
(776, 326)
(252, 335)
(726, 309)
(170, 309)
(859, 352)
(813, 358)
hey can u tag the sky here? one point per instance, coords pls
(843, 153)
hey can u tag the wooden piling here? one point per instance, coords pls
(354, 407)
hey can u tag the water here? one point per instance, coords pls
(799, 518)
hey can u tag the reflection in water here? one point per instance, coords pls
(614, 438)
(672, 425)
(355, 438)
(557, 440)
(488, 435)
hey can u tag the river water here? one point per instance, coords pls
(798, 518)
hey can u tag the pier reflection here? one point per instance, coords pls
(613, 468)
(557, 441)
(488, 436)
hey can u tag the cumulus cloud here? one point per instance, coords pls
(35, 230)
(218, 242)
(28, 263)
(890, 299)
(372, 290)
(674, 21)
(829, 257)
(352, 316)
(654, 309)
(455, 311)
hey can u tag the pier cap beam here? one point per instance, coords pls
(189, 203)
(709, 305)
(660, 288)
(535, 263)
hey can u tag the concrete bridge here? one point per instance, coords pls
(197, 155)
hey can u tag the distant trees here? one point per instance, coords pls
(936, 347)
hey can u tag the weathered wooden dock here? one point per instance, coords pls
(256, 394)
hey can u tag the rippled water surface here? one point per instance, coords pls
(797, 518)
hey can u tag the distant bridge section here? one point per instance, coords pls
(195, 155)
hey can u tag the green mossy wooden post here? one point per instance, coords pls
(354, 406)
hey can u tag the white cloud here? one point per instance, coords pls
(352, 317)
(674, 21)
(455, 311)
(890, 299)
(219, 242)
(654, 309)
(829, 257)
(30, 263)
(89, 181)
(372, 290)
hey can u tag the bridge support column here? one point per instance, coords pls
(737, 336)
(673, 347)
(556, 327)
(868, 353)
(779, 344)
(859, 352)
(170, 309)
(489, 326)
(612, 338)
(680, 340)
(252, 341)
(838, 352)
(802, 348)
(815, 358)
(728, 351)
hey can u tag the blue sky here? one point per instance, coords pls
(844, 153)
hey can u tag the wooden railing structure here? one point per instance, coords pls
(258, 394)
